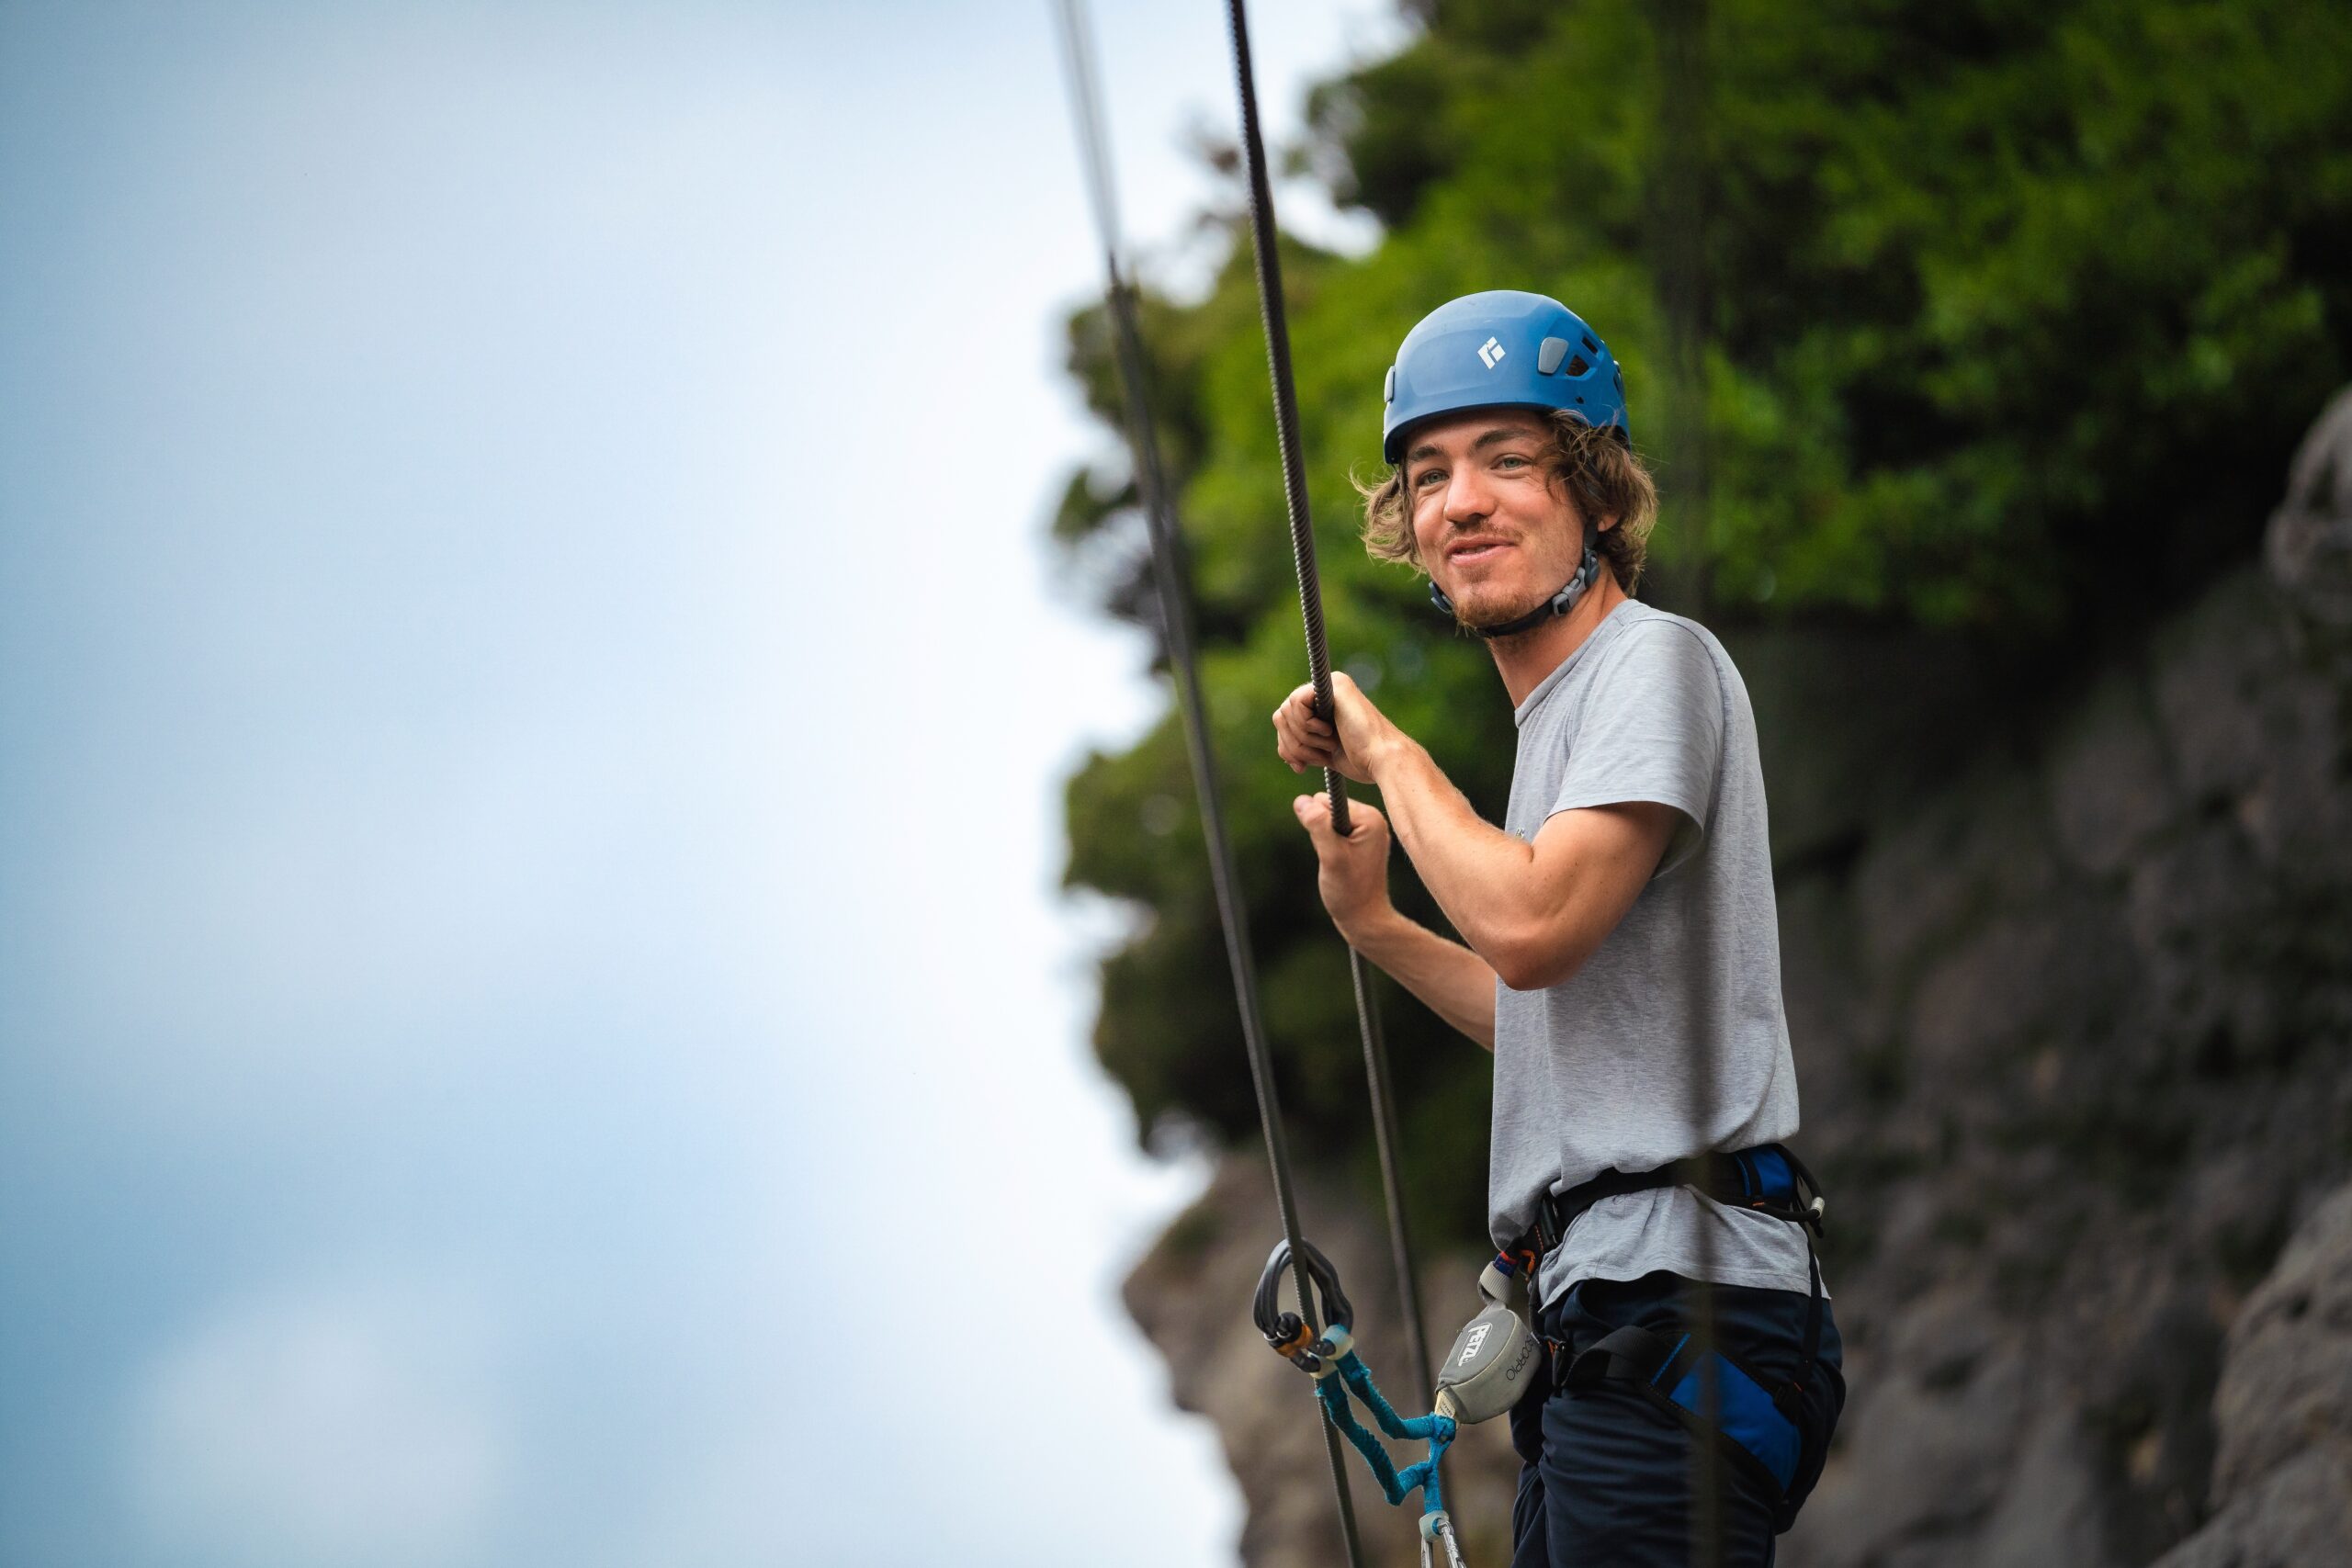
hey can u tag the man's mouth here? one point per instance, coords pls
(1471, 551)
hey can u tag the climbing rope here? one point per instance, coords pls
(1328, 1355)
(1318, 661)
(1171, 579)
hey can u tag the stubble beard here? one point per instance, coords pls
(1475, 617)
(1479, 616)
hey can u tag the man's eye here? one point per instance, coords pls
(1421, 480)
(1510, 460)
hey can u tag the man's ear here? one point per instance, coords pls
(1607, 523)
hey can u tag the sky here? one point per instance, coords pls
(537, 1021)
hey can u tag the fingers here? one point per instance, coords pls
(1315, 815)
(1297, 713)
(1300, 739)
(1365, 824)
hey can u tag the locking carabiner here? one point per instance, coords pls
(1333, 1351)
(1435, 1526)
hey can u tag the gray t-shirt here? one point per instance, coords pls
(1594, 1073)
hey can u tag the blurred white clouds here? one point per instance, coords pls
(536, 1023)
(348, 1428)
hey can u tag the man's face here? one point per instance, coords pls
(1493, 528)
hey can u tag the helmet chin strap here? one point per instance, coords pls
(1559, 603)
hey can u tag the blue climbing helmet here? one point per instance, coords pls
(1501, 349)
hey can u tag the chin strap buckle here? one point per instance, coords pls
(1559, 605)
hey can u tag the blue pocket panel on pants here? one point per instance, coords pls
(1747, 1417)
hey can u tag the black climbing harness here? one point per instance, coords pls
(1775, 1432)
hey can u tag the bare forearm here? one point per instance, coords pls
(1531, 912)
(1452, 981)
(1477, 873)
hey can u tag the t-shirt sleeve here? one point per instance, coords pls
(1652, 729)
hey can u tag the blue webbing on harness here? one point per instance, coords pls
(1744, 1412)
(1438, 1430)
(1764, 1173)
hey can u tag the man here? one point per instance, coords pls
(1618, 953)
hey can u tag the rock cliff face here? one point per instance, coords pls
(2072, 1015)
(2282, 1479)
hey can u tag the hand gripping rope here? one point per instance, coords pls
(1176, 625)
(1332, 1361)
(1267, 261)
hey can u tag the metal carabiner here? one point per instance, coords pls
(1287, 1331)
(1435, 1526)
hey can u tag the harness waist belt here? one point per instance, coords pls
(1766, 1178)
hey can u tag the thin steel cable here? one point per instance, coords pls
(1172, 578)
(1263, 239)
(1678, 221)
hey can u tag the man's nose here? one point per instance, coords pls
(1466, 498)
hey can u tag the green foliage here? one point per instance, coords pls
(2017, 307)
(2017, 311)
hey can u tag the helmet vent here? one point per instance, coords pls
(1590, 346)
(1577, 367)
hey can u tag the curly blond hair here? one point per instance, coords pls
(1605, 477)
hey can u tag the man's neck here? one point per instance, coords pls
(1523, 660)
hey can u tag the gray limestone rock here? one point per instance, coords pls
(2299, 1516)
(2308, 547)
(1924, 1455)
(2283, 1480)
(2050, 1510)
(2110, 789)
(2286, 1373)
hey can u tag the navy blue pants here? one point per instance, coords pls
(1605, 1477)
